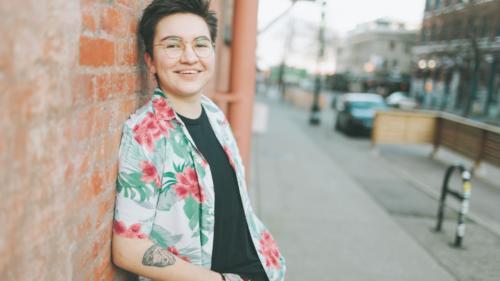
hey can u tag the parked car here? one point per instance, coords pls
(401, 100)
(356, 112)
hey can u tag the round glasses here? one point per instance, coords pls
(175, 47)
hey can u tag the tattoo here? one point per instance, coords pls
(231, 277)
(157, 256)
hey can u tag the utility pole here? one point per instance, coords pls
(314, 119)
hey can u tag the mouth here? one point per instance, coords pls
(188, 71)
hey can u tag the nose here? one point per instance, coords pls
(188, 56)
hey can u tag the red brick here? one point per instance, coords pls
(127, 107)
(102, 270)
(83, 88)
(132, 82)
(88, 19)
(113, 21)
(85, 123)
(103, 119)
(118, 82)
(82, 162)
(134, 23)
(105, 212)
(112, 172)
(129, 3)
(104, 86)
(97, 183)
(96, 52)
(84, 194)
(101, 242)
(84, 227)
(127, 53)
(69, 173)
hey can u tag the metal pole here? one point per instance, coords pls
(242, 77)
(444, 192)
(314, 118)
(459, 235)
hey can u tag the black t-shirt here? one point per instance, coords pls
(233, 249)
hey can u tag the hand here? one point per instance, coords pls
(231, 277)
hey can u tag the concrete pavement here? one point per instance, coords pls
(327, 226)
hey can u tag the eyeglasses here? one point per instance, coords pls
(174, 47)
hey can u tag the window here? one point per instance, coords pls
(423, 38)
(392, 45)
(437, 4)
(428, 5)
(485, 28)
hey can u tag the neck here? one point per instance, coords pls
(187, 106)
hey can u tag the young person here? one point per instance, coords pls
(182, 210)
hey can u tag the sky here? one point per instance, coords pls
(341, 16)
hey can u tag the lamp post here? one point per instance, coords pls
(314, 118)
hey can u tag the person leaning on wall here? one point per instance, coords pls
(182, 210)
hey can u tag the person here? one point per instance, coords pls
(182, 210)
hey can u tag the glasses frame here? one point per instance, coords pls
(184, 45)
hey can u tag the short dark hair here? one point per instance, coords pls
(158, 9)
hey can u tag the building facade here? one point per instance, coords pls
(377, 55)
(455, 63)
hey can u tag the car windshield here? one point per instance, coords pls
(365, 105)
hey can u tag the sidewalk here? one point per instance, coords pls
(325, 223)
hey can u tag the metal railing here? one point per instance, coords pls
(463, 196)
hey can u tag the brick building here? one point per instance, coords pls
(71, 73)
(455, 63)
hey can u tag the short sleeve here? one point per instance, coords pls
(137, 189)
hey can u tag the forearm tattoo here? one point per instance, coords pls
(157, 256)
(231, 277)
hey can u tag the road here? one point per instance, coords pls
(405, 182)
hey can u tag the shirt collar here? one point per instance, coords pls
(162, 107)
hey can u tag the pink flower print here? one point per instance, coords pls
(229, 156)
(149, 130)
(269, 250)
(162, 109)
(187, 183)
(149, 173)
(174, 251)
(134, 231)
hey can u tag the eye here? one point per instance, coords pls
(199, 45)
(203, 43)
(173, 46)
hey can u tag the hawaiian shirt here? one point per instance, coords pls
(165, 190)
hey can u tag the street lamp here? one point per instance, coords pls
(314, 118)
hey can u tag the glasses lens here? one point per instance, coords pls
(202, 47)
(173, 48)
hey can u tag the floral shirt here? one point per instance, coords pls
(165, 190)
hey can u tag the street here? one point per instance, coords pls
(342, 211)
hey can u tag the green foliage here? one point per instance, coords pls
(192, 211)
(131, 186)
(163, 237)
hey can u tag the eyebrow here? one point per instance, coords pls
(179, 38)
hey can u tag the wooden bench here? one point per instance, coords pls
(474, 140)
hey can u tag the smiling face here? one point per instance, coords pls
(183, 77)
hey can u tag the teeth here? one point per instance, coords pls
(188, 72)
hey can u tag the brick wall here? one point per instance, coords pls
(69, 78)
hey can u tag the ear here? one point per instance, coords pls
(149, 62)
